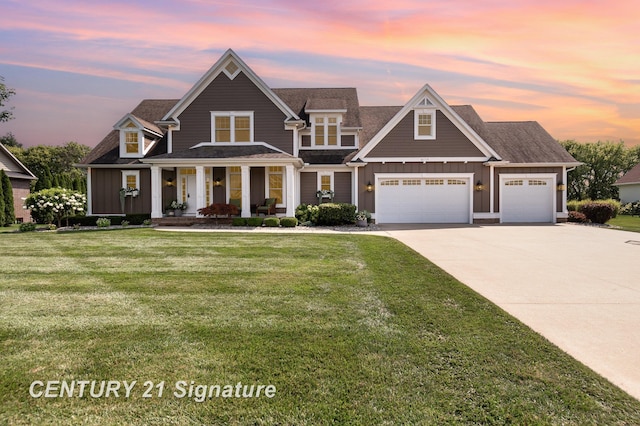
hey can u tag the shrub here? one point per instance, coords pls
(255, 221)
(103, 222)
(598, 212)
(307, 213)
(52, 204)
(124, 223)
(219, 209)
(574, 205)
(289, 222)
(577, 217)
(239, 221)
(51, 227)
(27, 227)
(272, 222)
(147, 222)
(348, 213)
(332, 214)
(632, 209)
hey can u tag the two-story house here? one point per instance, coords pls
(232, 137)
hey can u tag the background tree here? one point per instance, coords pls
(9, 213)
(9, 140)
(604, 163)
(5, 94)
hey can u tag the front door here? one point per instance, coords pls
(187, 192)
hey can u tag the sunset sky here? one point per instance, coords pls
(78, 66)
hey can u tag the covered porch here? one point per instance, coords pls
(215, 173)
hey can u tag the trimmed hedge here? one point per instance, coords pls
(271, 222)
(576, 205)
(577, 217)
(255, 221)
(598, 212)
(239, 221)
(332, 214)
(289, 222)
(133, 219)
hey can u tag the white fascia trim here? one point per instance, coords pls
(425, 176)
(212, 73)
(527, 176)
(439, 104)
(499, 165)
(18, 162)
(424, 159)
(116, 166)
(221, 162)
(626, 184)
(327, 168)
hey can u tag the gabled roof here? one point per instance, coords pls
(108, 150)
(12, 166)
(428, 98)
(631, 177)
(374, 119)
(231, 64)
(140, 122)
(300, 100)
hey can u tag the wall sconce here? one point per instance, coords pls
(479, 186)
(369, 186)
(169, 181)
(561, 186)
(217, 182)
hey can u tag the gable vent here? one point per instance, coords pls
(231, 69)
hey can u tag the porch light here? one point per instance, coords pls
(217, 182)
(369, 186)
(169, 181)
(479, 186)
(561, 186)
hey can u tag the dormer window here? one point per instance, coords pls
(235, 126)
(136, 139)
(424, 124)
(326, 130)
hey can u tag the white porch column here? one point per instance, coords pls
(355, 188)
(291, 191)
(246, 191)
(200, 184)
(564, 193)
(89, 196)
(492, 188)
(156, 192)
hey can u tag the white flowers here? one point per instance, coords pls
(55, 203)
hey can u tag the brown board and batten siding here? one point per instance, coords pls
(107, 183)
(526, 170)
(239, 94)
(449, 141)
(342, 187)
(309, 187)
(481, 199)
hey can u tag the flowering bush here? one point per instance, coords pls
(363, 215)
(103, 222)
(53, 204)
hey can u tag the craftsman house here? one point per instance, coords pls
(20, 178)
(231, 138)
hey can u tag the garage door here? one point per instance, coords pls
(423, 200)
(527, 200)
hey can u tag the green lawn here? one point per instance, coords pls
(350, 329)
(626, 222)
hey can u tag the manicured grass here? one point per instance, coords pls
(350, 329)
(626, 222)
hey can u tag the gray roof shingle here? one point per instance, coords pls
(632, 176)
(300, 99)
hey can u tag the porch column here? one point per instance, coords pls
(564, 193)
(355, 188)
(246, 191)
(156, 192)
(291, 191)
(200, 185)
(89, 194)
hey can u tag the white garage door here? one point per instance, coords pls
(423, 200)
(527, 199)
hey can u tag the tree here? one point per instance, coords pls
(604, 163)
(9, 213)
(5, 94)
(9, 140)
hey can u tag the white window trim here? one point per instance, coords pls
(416, 115)
(126, 173)
(284, 185)
(231, 115)
(325, 127)
(123, 143)
(319, 180)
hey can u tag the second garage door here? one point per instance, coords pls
(414, 199)
(527, 199)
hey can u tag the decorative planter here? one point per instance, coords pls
(362, 223)
(178, 213)
(171, 213)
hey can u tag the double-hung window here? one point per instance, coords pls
(425, 124)
(326, 131)
(234, 126)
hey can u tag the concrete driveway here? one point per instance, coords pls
(578, 286)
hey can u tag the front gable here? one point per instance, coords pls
(426, 129)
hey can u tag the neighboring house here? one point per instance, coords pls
(231, 137)
(629, 185)
(20, 178)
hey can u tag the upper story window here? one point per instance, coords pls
(326, 131)
(425, 124)
(235, 126)
(136, 141)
